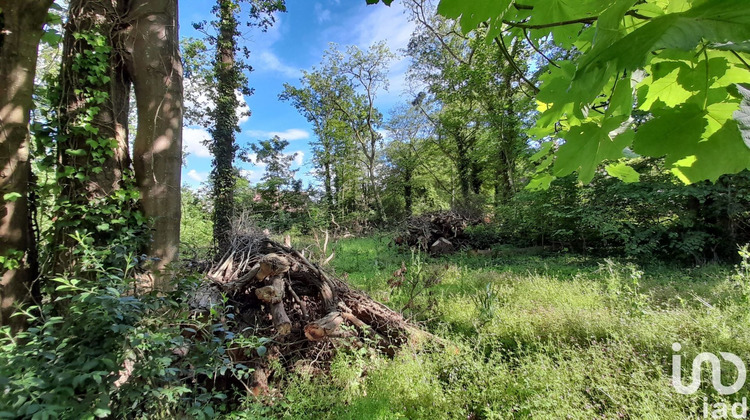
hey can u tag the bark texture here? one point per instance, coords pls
(156, 69)
(21, 27)
(143, 36)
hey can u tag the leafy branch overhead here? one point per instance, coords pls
(651, 78)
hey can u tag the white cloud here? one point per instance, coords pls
(299, 157)
(384, 23)
(289, 134)
(243, 111)
(197, 176)
(322, 14)
(192, 141)
(198, 97)
(253, 158)
(246, 173)
(270, 62)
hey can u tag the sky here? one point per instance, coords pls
(296, 42)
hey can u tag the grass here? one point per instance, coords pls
(553, 336)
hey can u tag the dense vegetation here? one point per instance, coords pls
(599, 149)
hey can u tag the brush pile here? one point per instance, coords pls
(437, 233)
(276, 292)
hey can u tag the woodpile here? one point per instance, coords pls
(274, 291)
(437, 233)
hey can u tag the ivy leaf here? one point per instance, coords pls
(540, 182)
(76, 152)
(11, 197)
(623, 172)
(589, 144)
(742, 115)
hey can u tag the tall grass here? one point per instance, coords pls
(535, 337)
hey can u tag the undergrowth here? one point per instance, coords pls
(550, 336)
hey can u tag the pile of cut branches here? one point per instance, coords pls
(276, 292)
(437, 233)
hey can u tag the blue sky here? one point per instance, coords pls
(296, 42)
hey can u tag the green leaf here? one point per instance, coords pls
(540, 182)
(714, 21)
(51, 38)
(589, 144)
(623, 172)
(261, 350)
(668, 131)
(661, 86)
(742, 115)
(76, 152)
(471, 13)
(11, 196)
(697, 143)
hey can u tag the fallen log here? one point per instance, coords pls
(274, 292)
(326, 327)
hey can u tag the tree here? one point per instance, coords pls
(344, 89)
(21, 28)
(682, 63)
(101, 59)
(313, 101)
(229, 80)
(405, 128)
(477, 99)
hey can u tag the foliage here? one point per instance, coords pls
(111, 353)
(652, 219)
(196, 230)
(226, 80)
(107, 219)
(339, 99)
(563, 340)
(679, 61)
(278, 201)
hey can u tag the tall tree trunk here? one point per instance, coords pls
(21, 27)
(408, 190)
(156, 70)
(328, 184)
(225, 124)
(143, 37)
(93, 80)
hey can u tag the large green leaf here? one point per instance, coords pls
(623, 172)
(588, 145)
(719, 21)
(742, 115)
(471, 13)
(697, 143)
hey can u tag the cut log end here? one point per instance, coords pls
(324, 327)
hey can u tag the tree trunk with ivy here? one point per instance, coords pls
(225, 122)
(107, 47)
(21, 28)
(92, 138)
